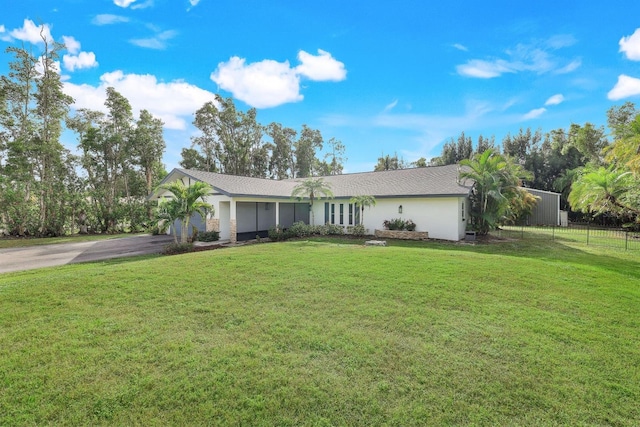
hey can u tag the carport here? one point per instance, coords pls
(256, 218)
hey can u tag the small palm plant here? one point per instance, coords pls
(313, 188)
(362, 202)
(186, 201)
(496, 179)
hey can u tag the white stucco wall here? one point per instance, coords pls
(441, 217)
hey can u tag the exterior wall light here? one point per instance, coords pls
(400, 209)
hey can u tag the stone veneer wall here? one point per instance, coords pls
(213, 224)
(234, 237)
(404, 235)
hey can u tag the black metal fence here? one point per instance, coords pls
(588, 234)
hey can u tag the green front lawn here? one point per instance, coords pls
(327, 333)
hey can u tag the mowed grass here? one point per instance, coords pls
(327, 333)
(593, 236)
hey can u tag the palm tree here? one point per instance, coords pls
(186, 201)
(313, 188)
(362, 201)
(496, 180)
(521, 206)
(603, 190)
(166, 214)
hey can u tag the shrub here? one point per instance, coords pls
(155, 230)
(322, 230)
(318, 230)
(208, 236)
(276, 234)
(357, 230)
(177, 248)
(394, 224)
(333, 229)
(399, 224)
(300, 229)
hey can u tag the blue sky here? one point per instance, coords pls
(383, 77)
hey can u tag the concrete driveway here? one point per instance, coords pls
(28, 258)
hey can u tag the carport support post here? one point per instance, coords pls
(232, 223)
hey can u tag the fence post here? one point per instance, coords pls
(588, 226)
(626, 240)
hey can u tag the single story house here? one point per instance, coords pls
(432, 197)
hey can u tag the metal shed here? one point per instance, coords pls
(547, 211)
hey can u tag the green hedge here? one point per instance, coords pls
(300, 229)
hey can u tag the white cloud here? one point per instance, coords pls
(194, 3)
(127, 3)
(262, 84)
(158, 42)
(630, 46)
(72, 45)
(390, 106)
(80, 61)
(173, 102)
(484, 69)
(75, 59)
(123, 3)
(320, 68)
(561, 40)
(30, 32)
(269, 83)
(55, 66)
(144, 5)
(534, 113)
(461, 47)
(108, 19)
(572, 66)
(555, 99)
(430, 129)
(534, 57)
(624, 88)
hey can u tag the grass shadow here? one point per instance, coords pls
(618, 261)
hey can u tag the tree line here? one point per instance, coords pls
(233, 142)
(598, 175)
(47, 190)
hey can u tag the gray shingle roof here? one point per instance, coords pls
(233, 185)
(431, 181)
